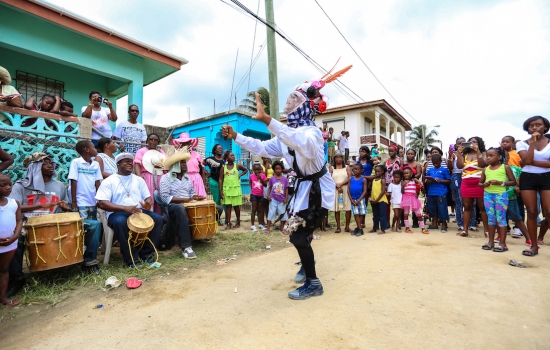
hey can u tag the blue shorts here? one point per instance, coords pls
(437, 207)
(254, 198)
(276, 209)
(360, 209)
(513, 210)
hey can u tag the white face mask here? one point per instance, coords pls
(294, 100)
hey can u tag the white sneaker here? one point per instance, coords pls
(188, 253)
(262, 227)
(253, 228)
(516, 233)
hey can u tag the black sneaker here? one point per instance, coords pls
(14, 287)
(92, 269)
(354, 232)
(359, 232)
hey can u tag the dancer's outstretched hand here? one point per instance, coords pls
(228, 132)
(261, 115)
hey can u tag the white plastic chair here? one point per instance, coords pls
(107, 236)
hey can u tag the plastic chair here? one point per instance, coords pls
(107, 236)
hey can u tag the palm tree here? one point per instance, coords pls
(420, 139)
(249, 103)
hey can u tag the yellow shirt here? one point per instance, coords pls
(7, 90)
(376, 190)
(270, 172)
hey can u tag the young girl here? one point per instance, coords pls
(10, 217)
(268, 171)
(277, 195)
(493, 179)
(409, 201)
(341, 174)
(378, 200)
(230, 188)
(395, 194)
(357, 191)
(258, 182)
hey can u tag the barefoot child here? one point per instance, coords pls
(379, 201)
(258, 182)
(493, 179)
(10, 217)
(357, 191)
(230, 189)
(277, 195)
(395, 194)
(409, 201)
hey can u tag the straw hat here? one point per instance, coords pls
(184, 137)
(5, 76)
(152, 161)
(178, 155)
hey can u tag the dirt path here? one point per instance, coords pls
(391, 291)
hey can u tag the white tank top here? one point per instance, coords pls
(7, 218)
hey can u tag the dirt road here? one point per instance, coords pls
(393, 291)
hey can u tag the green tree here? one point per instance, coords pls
(420, 138)
(249, 103)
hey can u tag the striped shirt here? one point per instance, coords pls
(177, 188)
(410, 189)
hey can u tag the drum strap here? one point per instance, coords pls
(130, 248)
(59, 238)
(36, 247)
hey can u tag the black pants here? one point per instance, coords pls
(302, 242)
(180, 224)
(346, 154)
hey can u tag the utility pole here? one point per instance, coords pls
(272, 61)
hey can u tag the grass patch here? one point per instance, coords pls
(54, 286)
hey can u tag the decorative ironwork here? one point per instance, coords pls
(32, 85)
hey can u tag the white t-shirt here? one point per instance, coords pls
(540, 156)
(86, 175)
(342, 143)
(100, 121)
(127, 190)
(396, 194)
(129, 132)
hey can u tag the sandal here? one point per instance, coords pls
(500, 249)
(539, 242)
(487, 246)
(347, 229)
(408, 230)
(529, 252)
(425, 231)
(11, 303)
(338, 230)
(228, 225)
(266, 232)
(462, 234)
(237, 225)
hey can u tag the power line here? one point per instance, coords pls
(361, 59)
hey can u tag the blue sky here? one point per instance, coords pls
(474, 67)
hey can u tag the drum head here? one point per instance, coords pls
(199, 204)
(140, 222)
(52, 219)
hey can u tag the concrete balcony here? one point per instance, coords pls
(370, 139)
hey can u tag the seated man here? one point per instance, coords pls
(176, 189)
(40, 194)
(122, 195)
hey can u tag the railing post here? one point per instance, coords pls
(85, 128)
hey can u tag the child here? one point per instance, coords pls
(230, 188)
(48, 103)
(374, 151)
(395, 194)
(331, 145)
(438, 177)
(409, 201)
(379, 201)
(375, 161)
(357, 191)
(12, 223)
(495, 198)
(268, 171)
(258, 182)
(277, 195)
(66, 109)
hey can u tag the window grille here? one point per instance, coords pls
(32, 85)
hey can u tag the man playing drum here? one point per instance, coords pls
(40, 194)
(121, 195)
(175, 189)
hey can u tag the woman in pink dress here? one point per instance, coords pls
(194, 165)
(152, 144)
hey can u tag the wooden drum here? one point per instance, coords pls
(140, 225)
(202, 218)
(54, 240)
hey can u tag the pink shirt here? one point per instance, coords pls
(193, 163)
(257, 189)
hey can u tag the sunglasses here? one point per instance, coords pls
(134, 110)
(157, 140)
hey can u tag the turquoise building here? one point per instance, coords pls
(49, 50)
(208, 131)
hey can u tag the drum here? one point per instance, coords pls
(202, 218)
(54, 240)
(140, 225)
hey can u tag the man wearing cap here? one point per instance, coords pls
(9, 96)
(175, 189)
(40, 194)
(121, 195)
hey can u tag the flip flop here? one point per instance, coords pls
(529, 252)
(347, 230)
(409, 231)
(540, 242)
(462, 234)
(11, 303)
(338, 230)
(487, 246)
(500, 249)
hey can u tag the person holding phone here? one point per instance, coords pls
(100, 115)
(9, 96)
(471, 159)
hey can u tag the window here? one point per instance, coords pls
(201, 146)
(32, 85)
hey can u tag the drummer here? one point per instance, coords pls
(121, 195)
(175, 189)
(40, 194)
